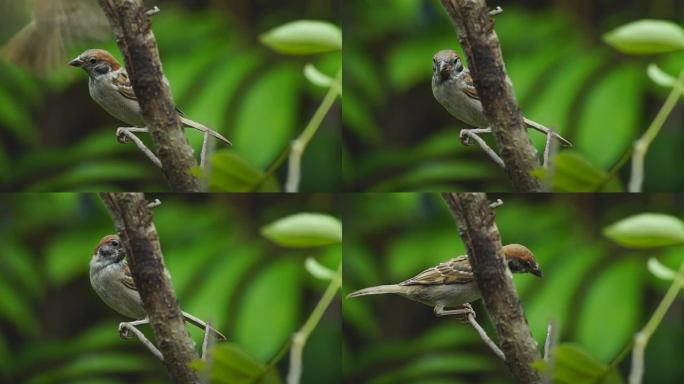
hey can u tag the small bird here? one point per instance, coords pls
(454, 89)
(111, 279)
(110, 87)
(452, 284)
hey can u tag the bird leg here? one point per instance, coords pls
(125, 133)
(465, 310)
(466, 134)
(124, 328)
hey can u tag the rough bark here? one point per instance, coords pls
(478, 230)
(133, 31)
(135, 225)
(475, 29)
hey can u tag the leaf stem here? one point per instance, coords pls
(299, 144)
(300, 337)
(644, 142)
(642, 337)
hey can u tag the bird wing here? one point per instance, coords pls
(123, 86)
(470, 89)
(454, 271)
(127, 280)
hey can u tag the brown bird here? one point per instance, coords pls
(452, 284)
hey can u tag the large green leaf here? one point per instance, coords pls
(266, 118)
(647, 37)
(304, 230)
(304, 37)
(646, 230)
(610, 312)
(232, 365)
(269, 311)
(573, 365)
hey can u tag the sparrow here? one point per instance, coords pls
(111, 279)
(454, 89)
(452, 284)
(111, 88)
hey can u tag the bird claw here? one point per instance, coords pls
(121, 135)
(123, 331)
(464, 137)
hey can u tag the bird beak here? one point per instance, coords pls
(443, 70)
(537, 271)
(77, 62)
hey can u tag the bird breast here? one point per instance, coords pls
(103, 91)
(449, 295)
(450, 95)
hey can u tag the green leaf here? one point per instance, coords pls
(304, 230)
(659, 76)
(610, 312)
(606, 128)
(303, 37)
(573, 365)
(317, 77)
(269, 310)
(646, 230)
(232, 173)
(659, 270)
(317, 270)
(574, 173)
(267, 116)
(232, 365)
(646, 37)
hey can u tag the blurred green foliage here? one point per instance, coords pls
(55, 138)
(54, 328)
(597, 293)
(397, 137)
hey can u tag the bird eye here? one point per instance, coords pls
(92, 60)
(115, 243)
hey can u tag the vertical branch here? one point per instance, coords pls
(133, 31)
(134, 222)
(475, 28)
(477, 228)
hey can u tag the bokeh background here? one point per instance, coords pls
(598, 293)
(55, 138)
(54, 328)
(398, 138)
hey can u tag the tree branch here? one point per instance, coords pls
(134, 222)
(475, 28)
(477, 228)
(133, 30)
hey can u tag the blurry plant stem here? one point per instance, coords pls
(642, 337)
(644, 142)
(300, 337)
(299, 144)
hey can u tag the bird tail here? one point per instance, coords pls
(202, 325)
(543, 129)
(195, 125)
(379, 290)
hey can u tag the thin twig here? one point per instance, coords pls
(496, 11)
(123, 133)
(154, 204)
(299, 144)
(496, 204)
(547, 150)
(642, 337)
(203, 154)
(472, 134)
(142, 338)
(491, 344)
(644, 142)
(300, 337)
(548, 344)
(153, 11)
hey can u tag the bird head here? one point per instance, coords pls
(96, 62)
(446, 65)
(521, 260)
